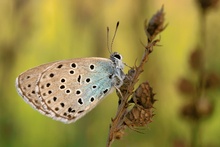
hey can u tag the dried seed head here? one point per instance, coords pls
(204, 107)
(198, 109)
(189, 111)
(141, 114)
(206, 4)
(144, 96)
(155, 25)
(212, 81)
(196, 59)
(185, 86)
(138, 117)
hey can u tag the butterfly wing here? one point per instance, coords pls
(67, 90)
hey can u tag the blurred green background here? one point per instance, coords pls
(33, 32)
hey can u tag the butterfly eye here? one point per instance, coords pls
(118, 56)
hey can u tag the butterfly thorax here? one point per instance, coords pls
(119, 75)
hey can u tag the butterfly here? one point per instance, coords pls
(67, 90)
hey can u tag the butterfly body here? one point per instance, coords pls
(67, 90)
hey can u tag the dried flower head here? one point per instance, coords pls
(212, 80)
(141, 113)
(155, 25)
(185, 86)
(138, 117)
(198, 109)
(189, 111)
(206, 4)
(196, 59)
(144, 96)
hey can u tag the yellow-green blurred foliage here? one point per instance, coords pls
(33, 32)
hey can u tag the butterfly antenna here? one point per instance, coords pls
(110, 47)
(108, 40)
(116, 28)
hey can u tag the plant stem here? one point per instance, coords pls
(116, 122)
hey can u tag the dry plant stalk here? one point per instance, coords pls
(141, 113)
(199, 105)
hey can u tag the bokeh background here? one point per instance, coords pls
(33, 32)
